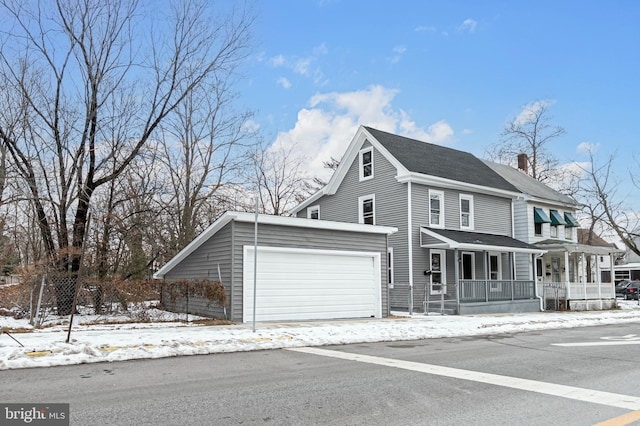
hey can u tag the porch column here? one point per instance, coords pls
(566, 274)
(612, 274)
(485, 262)
(598, 279)
(456, 276)
(512, 268)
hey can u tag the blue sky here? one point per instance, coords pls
(449, 72)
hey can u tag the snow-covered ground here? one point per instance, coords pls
(24, 347)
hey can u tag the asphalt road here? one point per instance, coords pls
(454, 381)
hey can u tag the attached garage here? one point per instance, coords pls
(306, 269)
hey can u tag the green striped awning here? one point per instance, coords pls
(556, 218)
(572, 222)
(540, 216)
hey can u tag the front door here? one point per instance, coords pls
(468, 266)
(438, 279)
(555, 269)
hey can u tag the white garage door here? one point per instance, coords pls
(302, 284)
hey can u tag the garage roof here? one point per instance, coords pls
(265, 219)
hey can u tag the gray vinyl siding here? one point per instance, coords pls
(390, 206)
(523, 221)
(226, 248)
(524, 231)
(203, 264)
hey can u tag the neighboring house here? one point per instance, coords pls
(455, 247)
(569, 270)
(626, 265)
(305, 269)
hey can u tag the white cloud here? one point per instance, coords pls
(425, 28)
(398, 51)
(587, 147)
(468, 25)
(325, 128)
(251, 126)
(284, 82)
(277, 61)
(304, 66)
(531, 109)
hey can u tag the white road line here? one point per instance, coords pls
(607, 343)
(571, 392)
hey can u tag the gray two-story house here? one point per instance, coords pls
(455, 247)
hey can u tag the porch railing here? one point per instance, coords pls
(472, 291)
(577, 291)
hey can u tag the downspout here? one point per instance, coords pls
(535, 280)
(410, 246)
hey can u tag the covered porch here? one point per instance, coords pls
(482, 275)
(569, 276)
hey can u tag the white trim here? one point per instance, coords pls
(361, 200)
(469, 198)
(268, 220)
(361, 153)
(499, 256)
(310, 210)
(442, 271)
(410, 243)
(454, 184)
(440, 194)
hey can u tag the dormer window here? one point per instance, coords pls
(366, 163)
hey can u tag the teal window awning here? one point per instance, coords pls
(539, 216)
(556, 218)
(572, 222)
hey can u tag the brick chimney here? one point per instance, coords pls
(523, 162)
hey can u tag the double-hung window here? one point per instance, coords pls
(366, 163)
(436, 209)
(466, 211)
(366, 209)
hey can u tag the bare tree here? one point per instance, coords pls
(529, 133)
(89, 91)
(606, 206)
(204, 144)
(279, 176)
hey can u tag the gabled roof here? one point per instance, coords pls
(265, 219)
(435, 160)
(530, 186)
(420, 162)
(588, 237)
